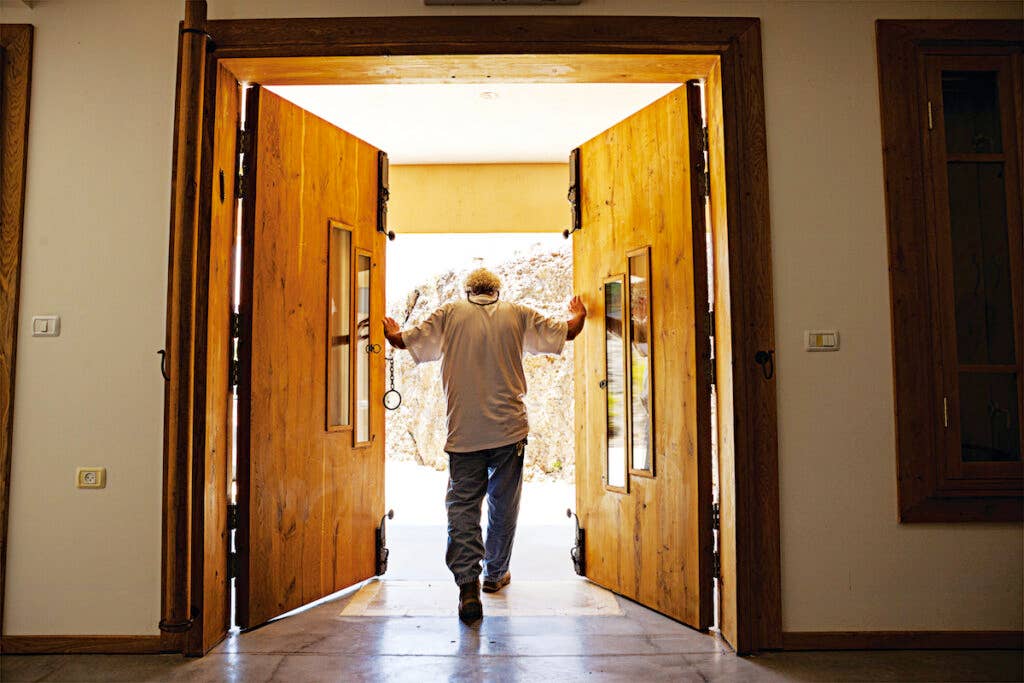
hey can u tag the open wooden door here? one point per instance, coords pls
(311, 425)
(643, 395)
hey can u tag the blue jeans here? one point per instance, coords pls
(498, 473)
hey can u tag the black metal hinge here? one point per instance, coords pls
(243, 147)
(234, 372)
(716, 566)
(707, 146)
(236, 325)
(232, 565)
(232, 516)
(716, 516)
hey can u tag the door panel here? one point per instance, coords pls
(652, 541)
(309, 499)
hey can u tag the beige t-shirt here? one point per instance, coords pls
(481, 344)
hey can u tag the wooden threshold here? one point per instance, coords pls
(903, 640)
(106, 645)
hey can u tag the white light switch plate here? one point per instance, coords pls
(46, 326)
(821, 340)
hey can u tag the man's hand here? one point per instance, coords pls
(579, 316)
(393, 333)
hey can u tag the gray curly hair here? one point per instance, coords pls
(482, 281)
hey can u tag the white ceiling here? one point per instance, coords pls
(452, 124)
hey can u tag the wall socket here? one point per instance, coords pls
(91, 478)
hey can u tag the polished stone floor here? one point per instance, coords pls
(629, 643)
(548, 625)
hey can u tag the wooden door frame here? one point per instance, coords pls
(750, 510)
(16, 63)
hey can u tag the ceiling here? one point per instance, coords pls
(451, 123)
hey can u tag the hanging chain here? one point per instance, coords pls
(391, 361)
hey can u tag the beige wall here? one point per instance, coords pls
(96, 251)
(479, 198)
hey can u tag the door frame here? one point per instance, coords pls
(751, 595)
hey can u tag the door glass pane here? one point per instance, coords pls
(339, 356)
(640, 361)
(989, 417)
(970, 107)
(981, 263)
(616, 386)
(363, 348)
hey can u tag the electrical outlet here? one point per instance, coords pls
(91, 477)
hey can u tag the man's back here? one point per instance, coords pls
(480, 343)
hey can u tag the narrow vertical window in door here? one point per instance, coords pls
(616, 441)
(364, 348)
(641, 384)
(339, 319)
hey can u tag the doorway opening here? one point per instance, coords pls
(273, 66)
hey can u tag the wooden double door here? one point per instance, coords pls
(310, 438)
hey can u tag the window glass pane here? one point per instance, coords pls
(640, 361)
(616, 386)
(970, 101)
(363, 348)
(989, 417)
(981, 263)
(338, 341)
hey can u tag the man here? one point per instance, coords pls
(480, 342)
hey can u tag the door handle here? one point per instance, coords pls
(373, 348)
(766, 359)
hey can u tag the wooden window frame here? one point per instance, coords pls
(333, 225)
(356, 351)
(619, 279)
(925, 493)
(645, 252)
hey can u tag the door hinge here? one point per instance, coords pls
(573, 195)
(243, 148)
(707, 146)
(716, 516)
(931, 122)
(232, 516)
(236, 325)
(716, 565)
(234, 372)
(232, 565)
(711, 323)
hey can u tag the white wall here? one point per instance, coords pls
(96, 251)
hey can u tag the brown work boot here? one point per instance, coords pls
(495, 585)
(470, 607)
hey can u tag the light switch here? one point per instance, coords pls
(91, 477)
(821, 340)
(46, 326)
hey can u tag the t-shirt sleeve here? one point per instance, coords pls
(424, 341)
(543, 334)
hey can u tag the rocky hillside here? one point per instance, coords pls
(541, 279)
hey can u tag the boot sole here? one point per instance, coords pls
(471, 612)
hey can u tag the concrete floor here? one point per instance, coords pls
(548, 625)
(637, 645)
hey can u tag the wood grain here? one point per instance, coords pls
(313, 498)
(476, 68)
(180, 341)
(81, 644)
(16, 81)
(646, 544)
(210, 560)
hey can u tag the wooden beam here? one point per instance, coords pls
(178, 394)
(16, 77)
